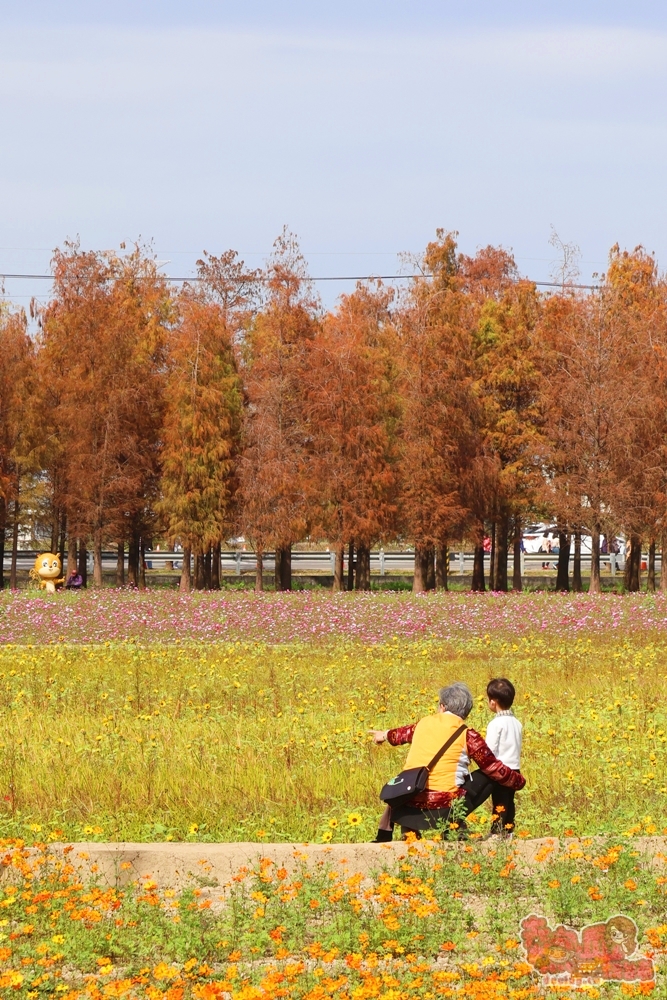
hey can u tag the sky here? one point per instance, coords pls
(364, 126)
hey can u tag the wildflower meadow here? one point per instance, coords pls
(231, 717)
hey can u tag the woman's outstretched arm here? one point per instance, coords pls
(403, 734)
(395, 737)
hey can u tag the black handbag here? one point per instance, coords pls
(406, 784)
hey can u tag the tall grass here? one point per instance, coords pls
(249, 742)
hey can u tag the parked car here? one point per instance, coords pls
(537, 536)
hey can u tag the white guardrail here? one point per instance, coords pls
(237, 562)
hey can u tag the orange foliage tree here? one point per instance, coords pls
(200, 437)
(275, 463)
(16, 387)
(462, 407)
(353, 414)
(437, 430)
(103, 338)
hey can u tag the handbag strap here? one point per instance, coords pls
(447, 745)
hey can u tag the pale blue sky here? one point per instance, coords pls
(363, 126)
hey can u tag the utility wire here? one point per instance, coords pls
(343, 277)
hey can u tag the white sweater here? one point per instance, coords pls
(503, 738)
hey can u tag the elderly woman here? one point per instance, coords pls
(450, 780)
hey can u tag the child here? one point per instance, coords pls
(503, 738)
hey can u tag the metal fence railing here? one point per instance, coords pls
(237, 562)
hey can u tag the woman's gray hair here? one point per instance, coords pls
(457, 699)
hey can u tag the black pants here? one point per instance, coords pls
(503, 806)
(477, 790)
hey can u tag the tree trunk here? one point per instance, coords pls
(563, 572)
(421, 569)
(120, 564)
(83, 563)
(517, 582)
(650, 580)
(350, 567)
(13, 578)
(133, 559)
(207, 568)
(287, 568)
(55, 524)
(259, 573)
(430, 568)
(185, 584)
(631, 576)
(97, 559)
(71, 554)
(478, 569)
(663, 562)
(215, 565)
(277, 573)
(200, 571)
(142, 563)
(442, 566)
(577, 583)
(284, 567)
(338, 583)
(3, 530)
(594, 586)
(627, 570)
(363, 575)
(636, 563)
(502, 534)
(492, 562)
(63, 536)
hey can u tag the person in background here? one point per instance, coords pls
(503, 737)
(74, 580)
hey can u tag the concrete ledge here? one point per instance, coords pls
(213, 866)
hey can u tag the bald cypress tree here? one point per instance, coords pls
(201, 430)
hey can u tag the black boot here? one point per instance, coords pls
(383, 837)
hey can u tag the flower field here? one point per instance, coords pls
(442, 921)
(165, 616)
(184, 733)
(225, 718)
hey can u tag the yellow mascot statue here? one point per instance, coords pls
(47, 571)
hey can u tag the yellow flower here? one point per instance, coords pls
(326, 836)
(194, 828)
(333, 823)
(354, 819)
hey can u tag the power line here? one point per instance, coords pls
(341, 277)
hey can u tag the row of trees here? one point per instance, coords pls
(468, 403)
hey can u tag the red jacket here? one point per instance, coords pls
(477, 750)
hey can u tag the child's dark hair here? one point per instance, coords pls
(502, 691)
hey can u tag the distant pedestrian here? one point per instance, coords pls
(74, 580)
